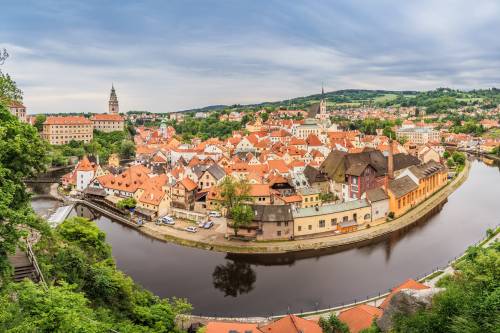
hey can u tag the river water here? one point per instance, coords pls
(262, 285)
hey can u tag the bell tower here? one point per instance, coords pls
(113, 107)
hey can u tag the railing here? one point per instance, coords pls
(34, 262)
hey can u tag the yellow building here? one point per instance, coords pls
(310, 197)
(415, 184)
(61, 130)
(114, 160)
(344, 217)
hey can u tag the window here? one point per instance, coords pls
(355, 217)
(345, 218)
(278, 224)
(367, 216)
(399, 203)
(334, 222)
(279, 233)
(299, 228)
(310, 227)
(321, 223)
(286, 224)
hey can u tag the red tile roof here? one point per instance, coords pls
(70, 120)
(220, 327)
(291, 324)
(360, 317)
(107, 117)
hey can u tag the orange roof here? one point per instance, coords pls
(292, 199)
(84, 165)
(408, 284)
(107, 117)
(279, 165)
(220, 327)
(129, 180)
(291, 324)
(313, 140)
(259, 190)
(70, 120)
(188, 184)
(360, 317)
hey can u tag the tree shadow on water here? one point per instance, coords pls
(234, 278)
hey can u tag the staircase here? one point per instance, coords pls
(26, 266)
(23, 267)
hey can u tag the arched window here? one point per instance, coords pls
(367, 216)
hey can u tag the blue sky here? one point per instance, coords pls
(170, 55)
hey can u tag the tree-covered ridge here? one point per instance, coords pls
(436, 100)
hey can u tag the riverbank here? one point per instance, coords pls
(217, 242)
(429, 280)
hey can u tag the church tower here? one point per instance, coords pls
(113, 102)
(322, 102)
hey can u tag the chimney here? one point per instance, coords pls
(390, 161)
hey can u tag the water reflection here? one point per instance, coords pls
(234, 278)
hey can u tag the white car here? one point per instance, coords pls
(214, 214)
(167, 220)
(191, 229)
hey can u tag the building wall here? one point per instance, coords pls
(380, 209)
(62, 134)
(427, 186)
(310, 200)
(108, 125)
(19, 112)
(83, 179)
(311, 225)
(276, 230)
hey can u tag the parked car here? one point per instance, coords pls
(214, 213)
(201, 224)
(208, 225)
(168, 220)
(191, 229)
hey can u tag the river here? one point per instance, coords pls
(262, 285)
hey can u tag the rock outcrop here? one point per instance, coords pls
(406, 302)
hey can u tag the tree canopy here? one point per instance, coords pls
(22, 155)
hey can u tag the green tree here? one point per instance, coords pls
(458, 157)
(39, 120)
(234, 192)
(86, 235)
(241, 215)
(127, 203)
(26, 307)
(333, 325)
(22, 155)
(127, 149)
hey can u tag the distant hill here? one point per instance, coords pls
(436, 100)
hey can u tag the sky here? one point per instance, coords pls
(164, 56)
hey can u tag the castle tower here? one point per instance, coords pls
(113, 102)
